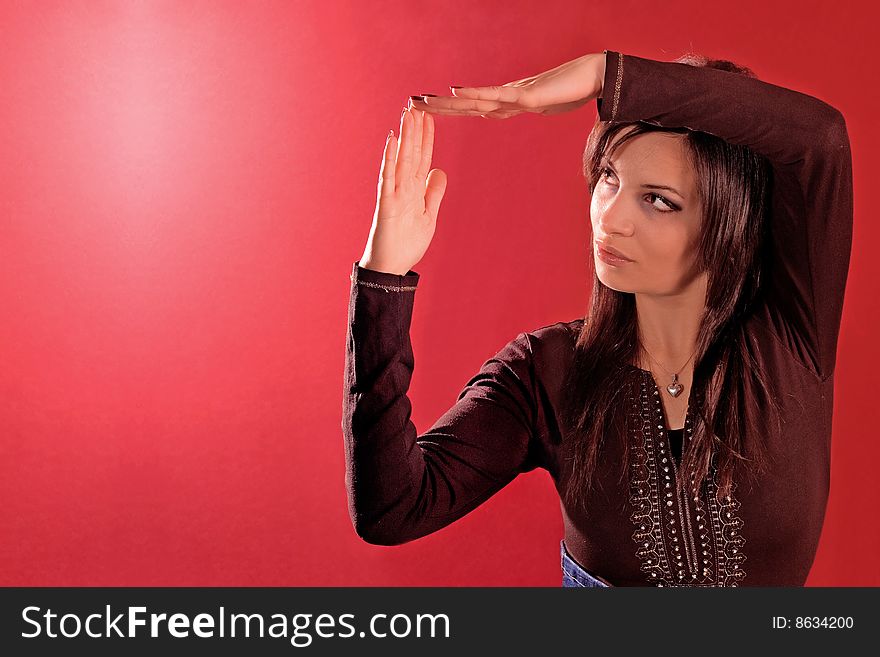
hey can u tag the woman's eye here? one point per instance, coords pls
(666, 206)
(669, 207)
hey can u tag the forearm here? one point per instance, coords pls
(402, 485)
(779, 123)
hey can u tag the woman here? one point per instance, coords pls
(686, 419)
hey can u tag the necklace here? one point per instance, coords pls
(675, 388)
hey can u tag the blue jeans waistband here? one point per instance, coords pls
(573, 574)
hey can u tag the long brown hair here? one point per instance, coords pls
(730, 387)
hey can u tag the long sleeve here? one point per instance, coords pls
(402, 486)
(805, 140)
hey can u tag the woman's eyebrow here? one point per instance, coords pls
(606, 161)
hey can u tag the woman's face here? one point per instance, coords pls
(657, 229)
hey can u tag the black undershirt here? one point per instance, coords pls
(675, 440)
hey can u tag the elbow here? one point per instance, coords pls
(833, 136)
(385, 540)
(826, 142)
(377, 533)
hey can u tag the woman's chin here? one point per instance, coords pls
(611, 278)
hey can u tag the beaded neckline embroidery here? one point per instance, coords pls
(690, 539)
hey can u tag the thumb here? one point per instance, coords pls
(436, 187)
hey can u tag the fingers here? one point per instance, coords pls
(472, 107)
(495, 114)
(404, 150)
(499, 115)
(448, 112)
(434, 190)
(410, 157)
(448, 104)
(418, 129)
(427, 146)
(391, 162)
(506, 93)
(410, 165)
(386, 173)
(406, 174)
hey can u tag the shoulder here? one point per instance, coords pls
(551, 339)
(558, 330)
(550, 344)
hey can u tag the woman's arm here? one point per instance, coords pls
(806, 141)
(402, 486)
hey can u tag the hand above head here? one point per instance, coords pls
(561, 89)
(410, 192)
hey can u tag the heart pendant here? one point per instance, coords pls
(674, 389)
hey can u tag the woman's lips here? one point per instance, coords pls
(609, 258)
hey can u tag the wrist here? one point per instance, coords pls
(366, 263)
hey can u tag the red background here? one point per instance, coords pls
(184, 189)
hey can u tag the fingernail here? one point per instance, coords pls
(454, 87)
(419, 98)
(430, 95)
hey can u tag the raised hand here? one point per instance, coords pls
(409, 198)
(561, 89)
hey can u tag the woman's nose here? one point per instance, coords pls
(614, 218)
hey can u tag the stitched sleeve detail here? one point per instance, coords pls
(380, 280)
(388, 288)
(617, 82)
(611, 86)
